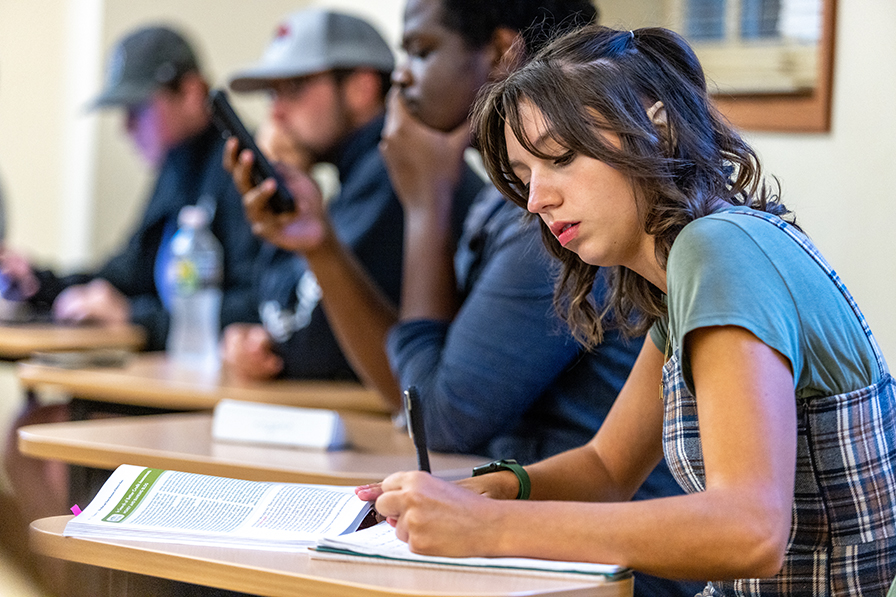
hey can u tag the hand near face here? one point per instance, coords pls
(279, 147)
(421, 160)
(303, 230)
(96, 301)
(248, 353)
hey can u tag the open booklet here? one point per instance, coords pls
(149, 504)
(380, 541)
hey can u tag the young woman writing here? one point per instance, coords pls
(759, 380)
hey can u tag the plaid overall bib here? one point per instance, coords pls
(843, 525)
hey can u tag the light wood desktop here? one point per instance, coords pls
(153, 380)
(19, 341)
(276, 574)
(183, 441)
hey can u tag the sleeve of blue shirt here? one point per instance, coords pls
(480, 373)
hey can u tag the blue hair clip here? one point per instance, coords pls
(620, 44)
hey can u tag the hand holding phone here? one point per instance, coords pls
(226, 120)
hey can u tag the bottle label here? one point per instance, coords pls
(186, 279)
(190, 275)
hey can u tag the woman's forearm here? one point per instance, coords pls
(717, 534)
(574, 475)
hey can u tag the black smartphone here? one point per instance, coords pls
(230, 125)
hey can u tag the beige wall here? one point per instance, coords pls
(32, 62)
(837, 182)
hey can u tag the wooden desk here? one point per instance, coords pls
(183, 442)
(18, 341)
(289, 574)
(151, 379)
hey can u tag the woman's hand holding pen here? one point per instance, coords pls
(411, 502)
(437, 517)
(304, 230)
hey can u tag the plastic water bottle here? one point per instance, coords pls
(194, 271)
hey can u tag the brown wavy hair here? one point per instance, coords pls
(600, 79)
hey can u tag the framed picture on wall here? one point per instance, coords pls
(769, 63)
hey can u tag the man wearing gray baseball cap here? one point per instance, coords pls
(328, 74)
(314, 41)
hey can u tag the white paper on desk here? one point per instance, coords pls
(255, 422)
(155, 505)
(380, 541)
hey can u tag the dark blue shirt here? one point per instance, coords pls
(369, 220)
(505, 378)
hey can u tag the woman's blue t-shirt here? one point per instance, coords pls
(733, 269)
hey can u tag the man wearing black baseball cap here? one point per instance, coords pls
(153, 75)
(328, 73)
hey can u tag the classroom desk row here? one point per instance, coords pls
(153, 380)
(273, 574)
(18, 341)
(183, 441)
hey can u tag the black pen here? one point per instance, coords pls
(416, 429)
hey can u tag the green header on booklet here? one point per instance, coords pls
(135, 495)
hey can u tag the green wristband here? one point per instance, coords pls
(512, 466)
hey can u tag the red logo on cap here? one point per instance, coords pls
(282, 31)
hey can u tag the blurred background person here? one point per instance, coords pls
(154, 75)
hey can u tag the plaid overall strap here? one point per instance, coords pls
(812, 251)
(844, 515)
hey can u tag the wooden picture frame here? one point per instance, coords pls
(808, 112)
